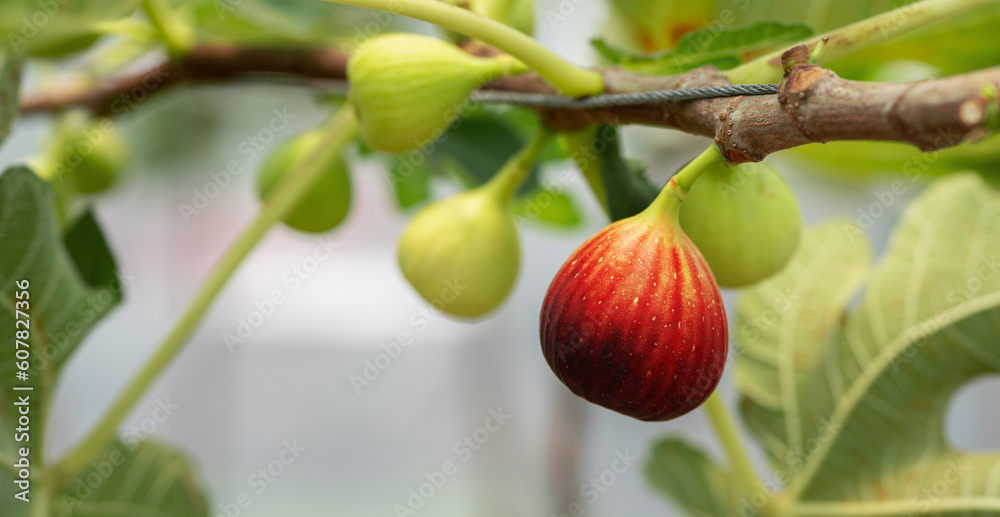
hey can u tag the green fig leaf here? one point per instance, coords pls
(479, 146)
(628, 190)
(547, 206)
(87, 248)
(70, 289)
(860, 159)
(722, 47)
(850, 404)
(821, 15)
(690, 478)
(959, 44)
(133, 479)
(59, 27)
(289, 22)
(10, 82)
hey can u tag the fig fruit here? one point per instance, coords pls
(92, 153)
(462, 254)
(745, 220)
(406, 89)
(633, 321)
(326, 202)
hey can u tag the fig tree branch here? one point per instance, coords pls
(813, 104)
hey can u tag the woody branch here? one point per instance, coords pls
(813, 103)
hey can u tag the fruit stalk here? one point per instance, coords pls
(567, 78)
(725, 429)
(669, 199)
(508, 178)
(339, 131)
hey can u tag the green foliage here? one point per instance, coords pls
(723, 47)
(471, 152)
(288, 22)
(858, 159)
(73, 285)
(135, 478)
(52, 29)
(548, 206)
(850, 404)
(628, 190)
(10, 82)
(690, 477)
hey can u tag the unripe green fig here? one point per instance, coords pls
(326, 202)
(406, 89)
(462, 254)
(744, 219)
(91, 153)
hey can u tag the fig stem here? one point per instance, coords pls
(566, 77)
(510, 176)
(337, 134)
(725, 429)
(668, 202)
(859, 35)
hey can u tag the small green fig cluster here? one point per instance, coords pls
(407, 89)
(744, 219)
(326, 203)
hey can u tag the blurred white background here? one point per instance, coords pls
(291, 380)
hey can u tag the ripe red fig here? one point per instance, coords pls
(633, 321)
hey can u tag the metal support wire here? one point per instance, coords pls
(341, 88)
(621, 99)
